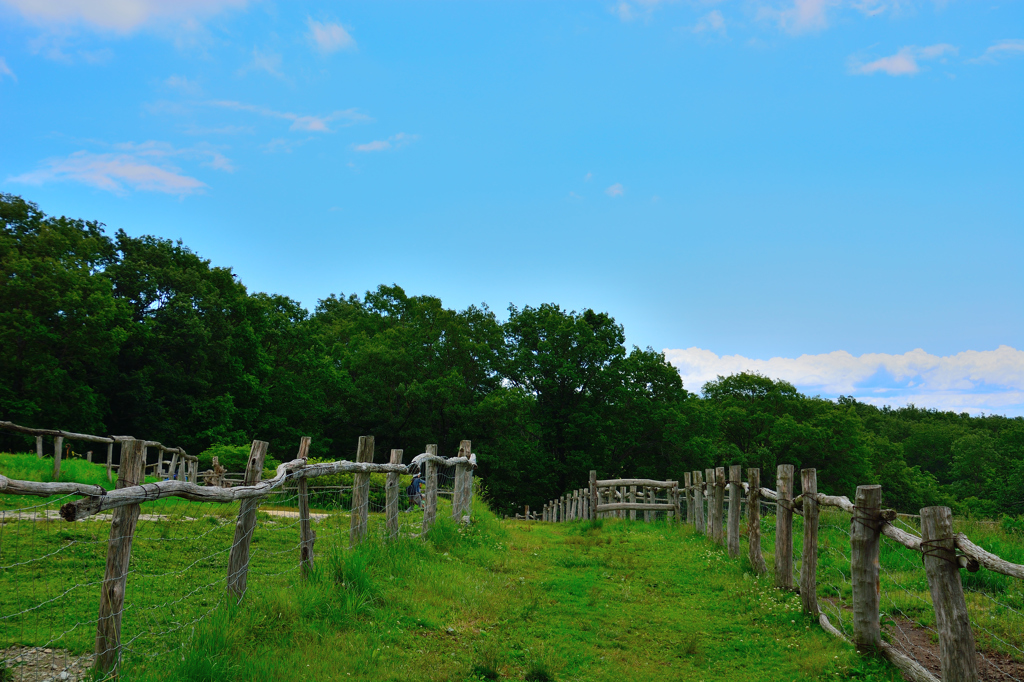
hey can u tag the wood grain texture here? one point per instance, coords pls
(58, 453)
(865, 539)
(593, 494)
(307, 536)
(360, 513)
(460, 496)
(39, 447)
(784, 528)
(957, 655)
(619, 482)
(754, 522)
(13, 486)
(718, 493)
(238, 561)
(709, 512)
(119, 550)
(687, 492)
(987, 559)
(809, 555)
(735, 478)
(430, 501)
(698, 501)
(391, 497)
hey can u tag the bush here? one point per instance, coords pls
(234, 458)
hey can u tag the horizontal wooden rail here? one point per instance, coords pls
(610, 483)
(639, 506)
(297, 468)
(70, 435)
(986, 559)
(12, 486)
(424, 457)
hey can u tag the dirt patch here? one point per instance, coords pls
(916, 642)
(32, 664)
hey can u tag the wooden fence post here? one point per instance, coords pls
(39, 447)
(459, 497)
(430, 503)
(632, 498)
(88, 456)
(809, 556)
(956, 639)
(677, 502)
(687, 489)
(238, 561)
(173, 469)
(360, 514)
(593, 494)
(865, 538)
(717, 533)
(58, 447)
(160, 464)
(735, 480)
(784, 527)
(307, 536)
(754, 522)
(709, 495)
(119, 550)
(698, 500)
(110, 462)
(391, 497)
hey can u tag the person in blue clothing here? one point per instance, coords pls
(413, 491)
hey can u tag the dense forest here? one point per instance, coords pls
(141, 336)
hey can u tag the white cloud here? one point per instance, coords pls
(999, 50)
(588, 177)
(142, 166)
(393, 142)
(616, 190)
(183, 84)
(904, 62)
(628, 11)
(712, 21)
(306, 122)
(972, 381)
(122, 16)
(329, 37)
(802, 16)
(6, 70)
(265, 61)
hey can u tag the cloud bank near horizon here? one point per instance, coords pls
(990, 382)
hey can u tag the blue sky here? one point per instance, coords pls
(738, 182)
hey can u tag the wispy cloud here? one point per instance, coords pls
(712, 22)
(1000, 50)
(122, 16)
(972, 381)
(182, 84)
(306, 122)
(616, 190)
(393, 142)
(801, 16)
(329, 37)
(266, 61)
(280, 145)
(6, 71)
(144, 166)
(903, 63)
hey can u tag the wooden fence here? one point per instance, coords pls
(125, 503)
(703, 494)
(182, 465)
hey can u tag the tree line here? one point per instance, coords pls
(139, 335)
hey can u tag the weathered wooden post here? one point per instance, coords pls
(360, 514)
(88, 456)
(687, 489)
(593, 494)
(173, 469)
(391, 497)
(709, 494)
(119, 551)
(307, 537)
(735, 490)
(754, 521)
(160, 464)
(58, 447)
(717, 531)
(809, 557)
(461, 496)
(865, 539)
(784, 527)
(39, 447)
(632, 498)
(238, 560)
(956, 639)
(110, 462)
(430, 500)
(698, 500)
(676, 502)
